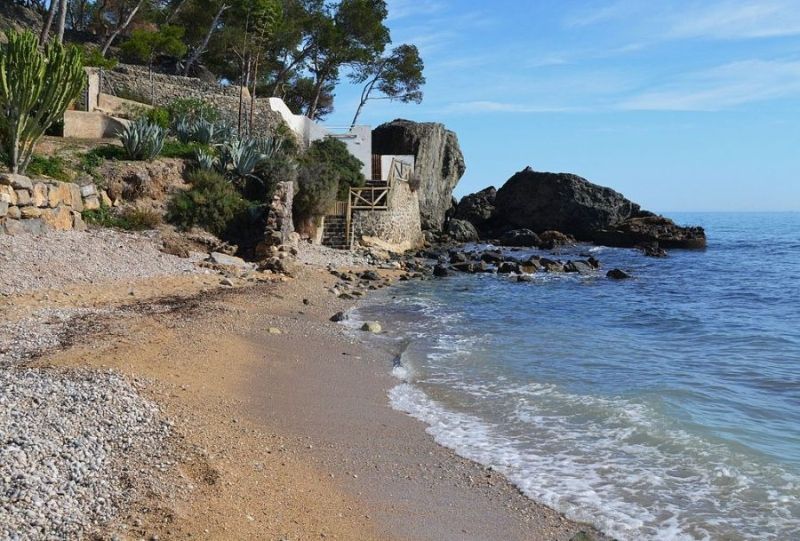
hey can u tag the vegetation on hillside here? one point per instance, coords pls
(299, 50)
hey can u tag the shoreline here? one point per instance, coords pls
(307, 407)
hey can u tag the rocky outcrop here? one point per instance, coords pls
(462, 231)
(477, 208)
(557, 206)
(439, 163)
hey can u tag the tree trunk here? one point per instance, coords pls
(200, 50)
(48, 23)
(312, 108)
(253, 94)
(62, 19)
(121, 28)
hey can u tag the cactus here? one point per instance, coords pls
(142, 140)
(184, 130)
(35, 89)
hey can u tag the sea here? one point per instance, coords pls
(662, 407)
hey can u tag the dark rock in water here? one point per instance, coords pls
(644, 230)
(440, 271)
(524, 278)
(477, 208)
(492, 257)
(520, 237)
(561, 202)
(472, 267)
(438, 163)
(552, 239)
(574, 206)
(551, 265)
(617, 274)
(593, 262)
(462, 231)
(508, 267)
(458, 257)
(652, 249)
(338, 317)
(582, 267)
(530, 266)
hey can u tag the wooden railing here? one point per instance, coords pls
(373, 197)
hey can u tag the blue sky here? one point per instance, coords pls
(680, 105)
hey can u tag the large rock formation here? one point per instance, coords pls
(570, 204)
(439, 163)
(477, 208)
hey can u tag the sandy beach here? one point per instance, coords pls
(280, 423)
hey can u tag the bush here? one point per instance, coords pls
(92, 58)
(186, 151)
(142, 140)
(191, 110)
(49, 166)
(129, 219)
(158, 116)
(211, 203)
(317, 187)
(280, 168)
(345, 167)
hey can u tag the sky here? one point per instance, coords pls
(679, 105)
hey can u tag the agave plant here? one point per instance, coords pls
(205, 159)
(243, 156)
(142, 140)
(268, 146)
(184, 130)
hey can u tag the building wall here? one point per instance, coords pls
(397, 228)
(96, 125)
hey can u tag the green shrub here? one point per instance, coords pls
(345, 168)
(191, 110)
(158, 116)
(280, 168)
(49, 166)
(129, 219)
(142, 140)
(211, 203)
(92, 58)
(317, 187)
(176, 149)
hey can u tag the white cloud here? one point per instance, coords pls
(696, 19)
(723, 87)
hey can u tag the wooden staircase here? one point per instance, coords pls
(374, 196)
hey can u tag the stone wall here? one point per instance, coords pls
(35, 207)
(135, 82)
(397, 229)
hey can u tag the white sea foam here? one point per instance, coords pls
(624, 472)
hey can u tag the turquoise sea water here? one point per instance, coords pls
(662, 407)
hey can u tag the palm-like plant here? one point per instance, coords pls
(205, 159)
(243, 156)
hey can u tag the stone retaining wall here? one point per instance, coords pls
(37, 206)
(398, 228)
(135, 82)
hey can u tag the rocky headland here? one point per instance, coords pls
(543, 209)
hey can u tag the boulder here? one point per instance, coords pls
(23, 198)
(617, 274)
(91, 202)
(553, 239)
(458, 257)
(551, 265)
(507, 267)
(520, 237)
(574, 206)
(8, 195)
(652, 230)
(439, 163)
(3, 209)
(30, 212)
(227, 260)
(339, 317)
(492, 257)
(530, 266)
(477, 208)
(462, 231)
(59, 193)
(371, 326)
(77, 221)
(582, 267)
(440, 271)
(14, 213)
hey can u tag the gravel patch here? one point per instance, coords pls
(42, 331)
(323, 256)
(67, 445)
(68, 257)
